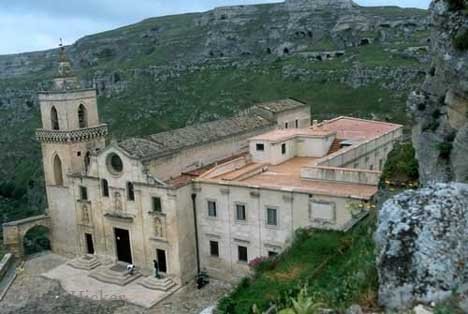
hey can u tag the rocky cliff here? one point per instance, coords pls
(440, 106)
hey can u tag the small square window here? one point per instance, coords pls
(242, 253)
(240, 212)
(272, 216)
(283, 149)
(83, 193)
(214, 248)
(78, 154)
(212, 208)
(157, 204)
(260, 147)
(272, 253)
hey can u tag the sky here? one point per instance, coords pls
(30, 25)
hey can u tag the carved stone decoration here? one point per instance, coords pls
(85, 213)
(58, 136)
(118, 202)
(159, 227)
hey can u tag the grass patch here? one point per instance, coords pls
(337, 267)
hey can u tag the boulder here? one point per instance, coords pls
(422, 248)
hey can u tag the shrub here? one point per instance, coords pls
(445, 149)
(461, 41)
(421, 106)
(436, 114)
(401, 164)
(455, 5)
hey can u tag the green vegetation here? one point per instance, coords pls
(401, 167)
(455, 5)
(461, 41)
(338, 269)
(450, 306)
(36, 240)
(303, 304)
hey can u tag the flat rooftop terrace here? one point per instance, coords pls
(287, 177)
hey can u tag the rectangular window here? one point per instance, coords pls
(380, 164)
(130, 191)
(371, 167)
(212, 208)
(283, 149)
(242, 253)
(105, 188)
(83, 193)
(260, 147)
(157, 204)
(272, 216)
(214, 248)
(286, 125)
(272, 254)
(297, 124)
(240, 212)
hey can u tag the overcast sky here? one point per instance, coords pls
(28, 25)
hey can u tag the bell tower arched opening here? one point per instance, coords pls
(82, 117)
(54, 119)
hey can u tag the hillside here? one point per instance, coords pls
(167, 72)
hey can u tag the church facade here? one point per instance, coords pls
(208, 197)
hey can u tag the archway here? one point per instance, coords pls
(36, 240)
(54, 119)
(58, 171)
(15, 231)
(82, 117)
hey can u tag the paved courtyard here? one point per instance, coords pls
(47, 285)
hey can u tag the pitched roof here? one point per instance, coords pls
(165, 143)
(281, 105)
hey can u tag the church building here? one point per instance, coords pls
(208, 197)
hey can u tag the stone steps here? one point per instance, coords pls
(116, 275)
(163, 284)
(87, 262)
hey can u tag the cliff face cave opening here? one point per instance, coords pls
(36, 240)
(364, 42)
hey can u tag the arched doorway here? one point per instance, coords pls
(82, 117)
(36, 240)
(58, 171)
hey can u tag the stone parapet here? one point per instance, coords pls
(80, 135)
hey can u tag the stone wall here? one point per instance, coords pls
(358, 176)
(295, 210)
(5, 263)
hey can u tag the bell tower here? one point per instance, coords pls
(71, 129)
(71, 132)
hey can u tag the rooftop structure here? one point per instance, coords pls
(297, 161)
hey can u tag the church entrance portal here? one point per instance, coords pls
(122, 244)
(89, 243)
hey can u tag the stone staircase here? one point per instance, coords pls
(336, 146)
(116, 274)
(162, 284)
(86, 262)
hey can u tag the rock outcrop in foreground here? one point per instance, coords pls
(422, 241)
